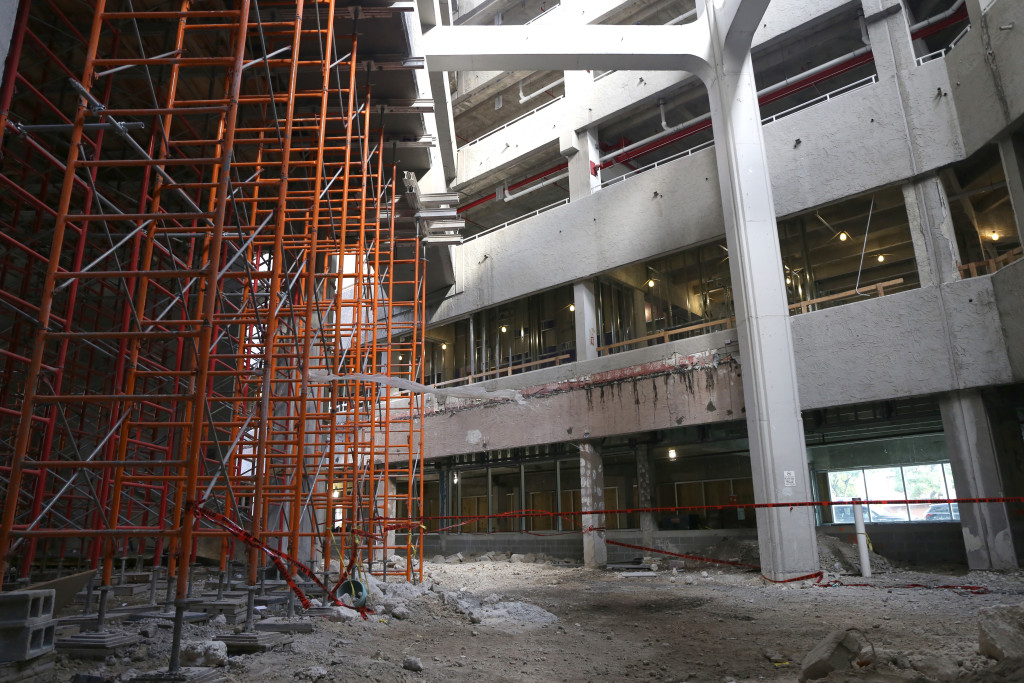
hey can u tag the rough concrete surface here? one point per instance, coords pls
(495, 620)
(1001, 631)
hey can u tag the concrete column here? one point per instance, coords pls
(1011, 149)
(973, 459)
(387, 511)
(8, 12)
(585, 319)
(595, 552)
(645, 493)
(582, 152)
(889, 32)
(787, 539)
(931, 229)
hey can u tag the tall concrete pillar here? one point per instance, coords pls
(585, 319)
(973, 459)
(786, 536)
(386, 511)
(595, 552)
(931, 230)
(645, 493)
(1011, 149)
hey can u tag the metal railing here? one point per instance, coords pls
(515, 120)
(856, 85)
(938, 54)
(516, 220)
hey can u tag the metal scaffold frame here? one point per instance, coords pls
(222, 255)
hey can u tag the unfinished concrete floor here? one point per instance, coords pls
(713, 625)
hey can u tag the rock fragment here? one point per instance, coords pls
(1001, 631)
(840, 650)
(412, 664)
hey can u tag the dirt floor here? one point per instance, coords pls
(514, 621)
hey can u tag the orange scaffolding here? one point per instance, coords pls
(223, 256)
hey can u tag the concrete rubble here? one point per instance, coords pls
(840, 650)
(1001, 631)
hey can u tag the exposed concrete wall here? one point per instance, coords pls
(622, 223)
(914, 343)
(1008, 286)
(984, 70)
(647, 397)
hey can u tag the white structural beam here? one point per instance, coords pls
(542, 47)
(716, 48)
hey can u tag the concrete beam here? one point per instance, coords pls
(538, 48)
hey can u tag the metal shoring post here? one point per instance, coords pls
(88, 595)
(102, 611)
(250, 609)
(152, 585)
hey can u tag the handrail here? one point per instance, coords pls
(643, 169)
(942, 52)
(503, 372)
(856, 85)
(879, 289)
(533, 213)
(515, 120)
(993, 264)
(666, 335)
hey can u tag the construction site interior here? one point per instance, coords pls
(512, 340)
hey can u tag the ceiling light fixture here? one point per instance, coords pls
(572, 308)
(843, 236)
(789, 280)
(444, 346)
(504, 329)
(650, 283)
(881, 258)
(994, 236)
(671, 454)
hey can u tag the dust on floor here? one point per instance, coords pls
(500, 621)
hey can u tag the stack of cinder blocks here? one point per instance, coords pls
(26, 625)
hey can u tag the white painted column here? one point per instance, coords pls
(931, 230)
(973, 458)
(1011, 149)
(786, 536)
(585, 320)
(386, 512)
(595, 552)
